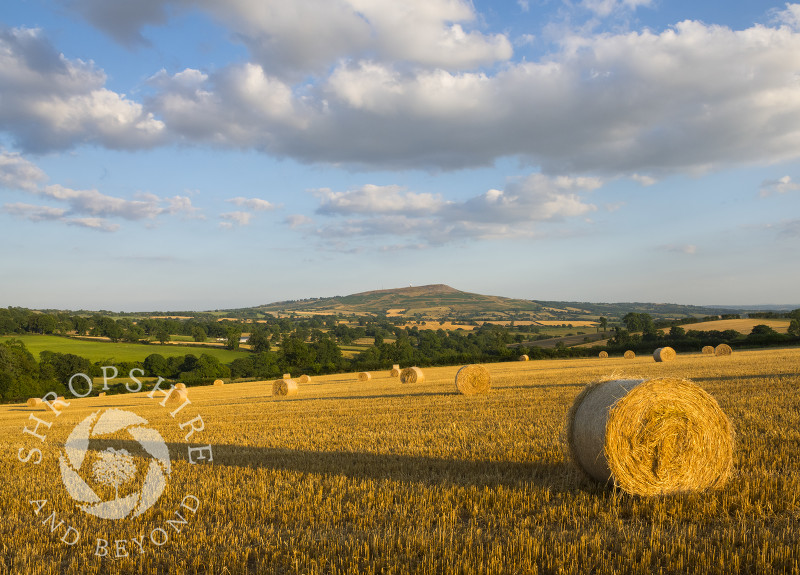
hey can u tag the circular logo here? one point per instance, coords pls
(114, 468)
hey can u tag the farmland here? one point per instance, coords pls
(115, 351)
(371, 477)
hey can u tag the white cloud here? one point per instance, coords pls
(515, 212)
(643, 180)
(86, 208)
(50, 102)
(372, 199)
(780, 186)
(17, 173)
(254, 204)
(232, 219)
(606, 7)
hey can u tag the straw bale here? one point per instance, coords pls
(284, 387)
(412, 375)
(473, 379)
(664, 354)
(650, 437)
(723, 349)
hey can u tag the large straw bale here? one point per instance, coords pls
(629, 354)
(34, 402)
(364, 376)
(723, 349)
(708, 350)
(664, 354)
(177, 397)
(412, 375)
(395, 371)
(304, 379)
(473, 379)
(284, 387)
(524, 357)
(650, 437)
(603, 355)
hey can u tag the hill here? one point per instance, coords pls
(439, 301)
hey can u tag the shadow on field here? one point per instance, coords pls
(378, 396)
(428, 470)
(561, 477)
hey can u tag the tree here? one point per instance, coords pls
(258, 340)
(603, 323)
(162, 334)
(234, 334)
(794, 328)
(198, 333)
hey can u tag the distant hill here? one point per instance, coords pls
(442, 301)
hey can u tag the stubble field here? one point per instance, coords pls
(380, 477)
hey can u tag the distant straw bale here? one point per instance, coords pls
(723, 349)
(603, 355)
(664, 354)
(473, 379)
(218, 382)
(524, 357)
(34, 402)
(181, 385)
(650, 437)
(177, 397)
(629, 354)
(287, 376)
(101, 394)
(412, 375)
(708, 350)
(303, 379)
(284, 387)
(395, 371)
(364, 376)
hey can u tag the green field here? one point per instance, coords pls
(116, 352)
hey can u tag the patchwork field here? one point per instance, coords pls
(120, 351)
(379, 477)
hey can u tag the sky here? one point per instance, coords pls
(199, 155)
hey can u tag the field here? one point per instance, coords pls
(116, 352)
(741, 325)
(379, 477)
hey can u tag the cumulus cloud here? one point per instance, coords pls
(516, 211)
(86, 208)
(233, 219)
(50, 102)
(780, 186)
(254, 204)
(606, 7)
(412, 86)
(297, 221)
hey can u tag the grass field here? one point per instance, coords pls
(106, 350)
(741, 325)
(379, 477)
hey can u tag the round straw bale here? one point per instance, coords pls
(664, 354)
(101, 394)
(364, 376)
(182, 385)
(412, 375)
(177, 397)
(708, 350)
(524, 357)
(650, 437)
(34, 402)
(603, 355)
(395, 371)
(303, 379)
(723, 349)
(284, 387)
(473, 379)
(629, 354)
(287, 376)
(218, 382)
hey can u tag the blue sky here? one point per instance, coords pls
(174, 154)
